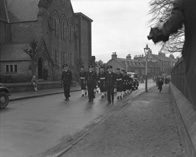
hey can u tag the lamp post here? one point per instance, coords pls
(146, 51)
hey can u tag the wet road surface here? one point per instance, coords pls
(41, 126)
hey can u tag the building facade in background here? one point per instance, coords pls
(165, 63)
(131, 65)
(60, 35)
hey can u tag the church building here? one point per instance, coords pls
(38, 35)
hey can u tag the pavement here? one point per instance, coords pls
(144, 127)
(44, 92)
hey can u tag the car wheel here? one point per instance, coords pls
(4, 100)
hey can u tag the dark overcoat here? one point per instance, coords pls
(66, 77)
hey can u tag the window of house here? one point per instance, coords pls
(7, 68)
(11, 68)
(15, 68)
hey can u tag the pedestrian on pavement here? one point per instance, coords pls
(34, 82)
(91, 83)
(83, 81)
(66, 79)
(110, 82)
(184, 12)
(160, 84)
(102, 82)
(119, 83)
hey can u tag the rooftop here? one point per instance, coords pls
(14, 52)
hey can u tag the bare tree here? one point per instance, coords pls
(31, 50)
(161, 11)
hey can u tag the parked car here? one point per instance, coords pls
(135, 80)
(4, 96)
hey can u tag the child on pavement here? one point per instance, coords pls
(34, 82)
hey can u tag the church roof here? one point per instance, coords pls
(14, 52)
(3, 12)
(81, 14)
(130, 63)
(26, 10)
(22, 10)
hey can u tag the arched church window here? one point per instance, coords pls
(55, 23)
(63, 27)
(70, 29)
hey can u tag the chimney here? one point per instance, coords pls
(114, 55)
(171, 56)
(128, 57)
(162, 54)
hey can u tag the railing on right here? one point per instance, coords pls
(178, 78)
(184, 110)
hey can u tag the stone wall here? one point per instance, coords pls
(25, 32)
(5, 33)
(85, 42)
(22, 68)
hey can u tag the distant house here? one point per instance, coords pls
(131, 65)
(165, 63)
(62, 36)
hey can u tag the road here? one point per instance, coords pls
(43, 126)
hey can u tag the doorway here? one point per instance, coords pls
(40, 68)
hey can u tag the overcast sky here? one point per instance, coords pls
(119, 26)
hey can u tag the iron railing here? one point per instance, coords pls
(178, 78)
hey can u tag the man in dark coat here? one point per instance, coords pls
(91, 83)
(119, 83)
(160, 84)
(110, 82)
(184, 12)
(102, 82)
(66, 79)
(83, 80)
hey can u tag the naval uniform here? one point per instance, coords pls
(102, 81)
(91, 83)
(119, 82)
(66, 78)
(110, 82)
(83, 80)
(124, 83)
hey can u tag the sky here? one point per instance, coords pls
(119, 26)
